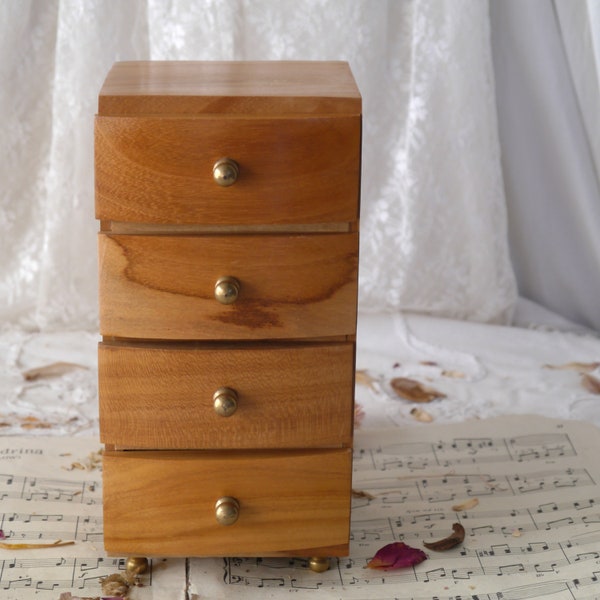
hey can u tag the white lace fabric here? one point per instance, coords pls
(433, 221)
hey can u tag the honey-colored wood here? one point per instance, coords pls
(291, 170)
(162, 287)
(287, 232)
(194, 229)
(290, 396)
(248, 87)
(291, 502)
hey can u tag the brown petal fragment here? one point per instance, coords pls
(421, 415)
(576, 366)
(590, 383)
(454, 539)
(19, 546)
(53, 370)
(454, 374)
(467, 505)
(363, 378)
(361, 494)
(413, 390)
(359, 415)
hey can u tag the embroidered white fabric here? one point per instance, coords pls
(433, 213)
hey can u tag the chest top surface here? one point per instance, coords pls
(246, 87)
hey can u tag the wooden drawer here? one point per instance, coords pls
(290, 503)
(290, 396)
(291, 286)
(291, 170)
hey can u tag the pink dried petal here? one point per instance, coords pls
(2, 536)
(396, 556)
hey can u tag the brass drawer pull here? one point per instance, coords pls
(225, 401)
(227, 510)
(227, 290)
(225, 172)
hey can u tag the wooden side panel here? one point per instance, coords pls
(291, 503)
(159, 169)
(288, 397)
(161, 287)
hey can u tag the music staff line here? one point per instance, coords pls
(421, 455)
(49, 490)
(531, 591)
(381, 531)
(77, 573)
(449, 487)
(347, 573)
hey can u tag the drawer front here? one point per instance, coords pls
(290, 503)
(285, 397)
(162, 287)
(291, 170)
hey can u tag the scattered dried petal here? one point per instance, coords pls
(590, 383)
(359, 415)
(93, 461)
(2, 536)
(68, 596)
(115, 585)
(454, 374)
(429, 363)
(453, 540)
(361, 494)
(34, 423)
(413, 390)
(7, 546)
(421, 415)
(53, 370)
(576, 366)
(363, 378)
(467, 505)
(516, 533)
(396, 555)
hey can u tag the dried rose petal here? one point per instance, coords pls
(2, 536)
(576, 366)
(591, 383)
(421, 415)
(359, 415)
(362, 377)
(362, 494)
(466, 505)
(454, 539)
(411, 389)
(396, 556)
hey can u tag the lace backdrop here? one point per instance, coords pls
(433, 214)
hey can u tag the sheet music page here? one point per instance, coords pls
(535, 532)
(50, 490)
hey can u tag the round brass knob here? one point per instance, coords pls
(227, 510)
(227, 290)
(225, 172)
(136, 565)
(319, 564)
(225, 401)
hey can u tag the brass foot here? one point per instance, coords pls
(318, 564)
(136, 565)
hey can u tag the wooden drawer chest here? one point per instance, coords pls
(228, 200)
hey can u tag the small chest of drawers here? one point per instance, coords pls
(228, 201)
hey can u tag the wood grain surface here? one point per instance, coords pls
(291, 170)
(162, 287)
(295, 503)
(289, 396)
(249, 87)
